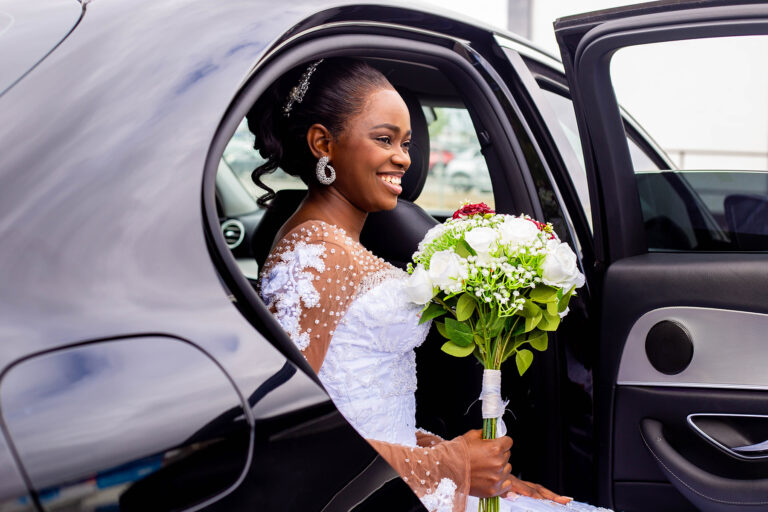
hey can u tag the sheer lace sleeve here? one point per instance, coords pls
(308, 282)
(436, 470)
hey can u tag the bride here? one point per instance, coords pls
(342, 128)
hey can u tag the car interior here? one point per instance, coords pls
(394, 236)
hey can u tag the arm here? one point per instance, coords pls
(438, 474)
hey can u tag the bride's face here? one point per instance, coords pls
(371, 154)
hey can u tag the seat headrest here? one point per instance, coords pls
(416, 175)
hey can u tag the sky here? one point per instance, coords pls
(701, 100)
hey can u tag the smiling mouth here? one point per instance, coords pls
(389, 178)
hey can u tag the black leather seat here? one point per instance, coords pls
(747, 218)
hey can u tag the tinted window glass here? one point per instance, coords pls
(138, 424)
(563, 108)
(457, 168)
(706, 108)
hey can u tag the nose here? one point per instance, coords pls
(401, 158)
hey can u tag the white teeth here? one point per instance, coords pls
(395, 180)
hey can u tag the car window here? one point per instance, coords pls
(706, 107)
(563, 108)
(457, 167)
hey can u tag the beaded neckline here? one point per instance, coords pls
(343, 233)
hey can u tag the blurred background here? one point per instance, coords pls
(689, 79)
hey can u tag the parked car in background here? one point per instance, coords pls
(467, 171)
(140, 371)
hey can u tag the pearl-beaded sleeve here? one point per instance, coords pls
(308, 282)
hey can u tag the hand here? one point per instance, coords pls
(490, 471)
(535, 491)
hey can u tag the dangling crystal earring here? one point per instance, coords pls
(322, 165)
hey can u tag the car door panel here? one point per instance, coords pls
(650, 453)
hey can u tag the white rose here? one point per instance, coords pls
(516, 231)
(447, 270)
(419, 287)
(559, 267)
(481, 240)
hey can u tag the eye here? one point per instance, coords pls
(407, 145)
(386, 139)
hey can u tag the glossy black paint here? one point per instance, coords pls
(101, 218)
(85, 425)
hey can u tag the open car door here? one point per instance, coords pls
(682, 385)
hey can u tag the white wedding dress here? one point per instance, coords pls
(369, 369)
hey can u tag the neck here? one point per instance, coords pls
(328, 204)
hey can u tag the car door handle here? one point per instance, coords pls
(733, 433)
(752, 448)
(708, 492)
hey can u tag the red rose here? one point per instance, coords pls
(472, 209)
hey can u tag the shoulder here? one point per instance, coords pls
(317, 238)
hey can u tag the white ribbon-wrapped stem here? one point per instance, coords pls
(493, 405)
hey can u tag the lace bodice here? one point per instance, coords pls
(370, 367)
(346, 310)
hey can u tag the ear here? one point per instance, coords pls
(319, 140)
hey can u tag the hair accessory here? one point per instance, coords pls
(299, 90)
(322, 165)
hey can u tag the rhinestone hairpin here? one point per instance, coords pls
(299, 90)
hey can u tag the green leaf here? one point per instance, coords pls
(465, 307)
(532, 322)
(552, 308)
(441, 329)
(544, 294)
(519, 327)
(459, 332)
(463, 249)
(530, 309)
(564, 301)
(523, 359)
(479, 339)
(549, 322)
(433, 310)
(456, 350)
(539, 341)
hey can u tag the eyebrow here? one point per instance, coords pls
(392, 127)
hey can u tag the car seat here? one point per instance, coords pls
(747, 219)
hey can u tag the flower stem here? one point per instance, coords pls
(489, 432)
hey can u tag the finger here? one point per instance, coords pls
(529, 491)
(545, 492)
(505, 442)
(475, 433)
(506, 455)
(508, 469)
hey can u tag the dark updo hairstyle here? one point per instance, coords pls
(337, 91)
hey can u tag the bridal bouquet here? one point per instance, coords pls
(495, 285)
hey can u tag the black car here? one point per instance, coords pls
(140, 371)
